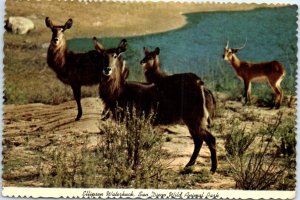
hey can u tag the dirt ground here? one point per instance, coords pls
(31, 131)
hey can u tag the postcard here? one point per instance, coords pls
(181, 100)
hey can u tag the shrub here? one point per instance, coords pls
(132, 152)
(257, 168)
(286, 134)
(128, 154)
(237, 141)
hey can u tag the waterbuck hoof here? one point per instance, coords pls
(78, 118)
(213, 170)
(189, 164)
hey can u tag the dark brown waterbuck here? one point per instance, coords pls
(272, 72)
(179, 97)
(153, 74)
(74, 69)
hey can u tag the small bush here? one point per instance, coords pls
(128, 154)
(132, 152)
(257, 168)
(237, 141)
(286, 134)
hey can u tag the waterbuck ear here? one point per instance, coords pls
(156, 51)
(48, 22)
(146, 51)
(99, 47)
(68, 24)
(122, 46)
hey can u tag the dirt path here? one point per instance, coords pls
(32, 131)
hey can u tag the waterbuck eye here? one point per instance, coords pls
(115, 56)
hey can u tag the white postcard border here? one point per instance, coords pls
(145, 193)
(152, 193)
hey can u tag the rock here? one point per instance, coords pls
(18, 25)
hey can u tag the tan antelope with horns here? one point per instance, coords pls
(272, 72)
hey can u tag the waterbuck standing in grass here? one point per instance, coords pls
(153, 74)
(179, 97)
(272, 72)
(74, 69)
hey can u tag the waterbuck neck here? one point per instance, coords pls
(111, 88)
(56, 56)
(153, 74)
(235, 62)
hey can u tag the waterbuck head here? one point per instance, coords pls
(58, 31)
(151, 59)
(229, 52)
(114, 67)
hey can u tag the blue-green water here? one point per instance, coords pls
(198, 46)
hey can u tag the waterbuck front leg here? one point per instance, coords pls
(77, 95)
(105, 113)
(247, 91)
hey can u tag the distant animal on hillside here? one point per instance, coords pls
(177, 97)
(153, 74)
(74, 69)
(272, 72)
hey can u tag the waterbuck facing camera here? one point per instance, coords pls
(176, 98)
(74, 69)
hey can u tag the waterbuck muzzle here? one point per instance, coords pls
(107, 71)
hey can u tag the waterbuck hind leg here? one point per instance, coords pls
(278, 94)
(210, 140)
(77, 95)
(198, 141)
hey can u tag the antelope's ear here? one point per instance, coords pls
(122, 46)
(68, 24)
(99, 47)
(233, 50)
(156, 51)
(48, 22)
(146, 51)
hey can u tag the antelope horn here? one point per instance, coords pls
(227, 44)
(242, 46)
